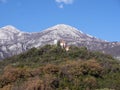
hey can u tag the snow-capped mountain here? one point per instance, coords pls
(14, 41)
(8, 33)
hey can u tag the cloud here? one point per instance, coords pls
(61, 3)
(61, 6)
(3, 1)
(65, 1)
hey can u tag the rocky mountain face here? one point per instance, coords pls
(14, 41)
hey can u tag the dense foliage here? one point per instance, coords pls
(52, 68)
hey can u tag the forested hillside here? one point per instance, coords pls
(53, 68)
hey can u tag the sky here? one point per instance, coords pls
(99, 18)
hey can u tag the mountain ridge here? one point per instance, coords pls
(14, 41)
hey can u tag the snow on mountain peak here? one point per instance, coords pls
(10, 28)
(62, 31)
(64, 28)
(8, 32)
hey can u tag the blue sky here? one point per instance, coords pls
(99, 18)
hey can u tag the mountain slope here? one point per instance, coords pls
(14, 41)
